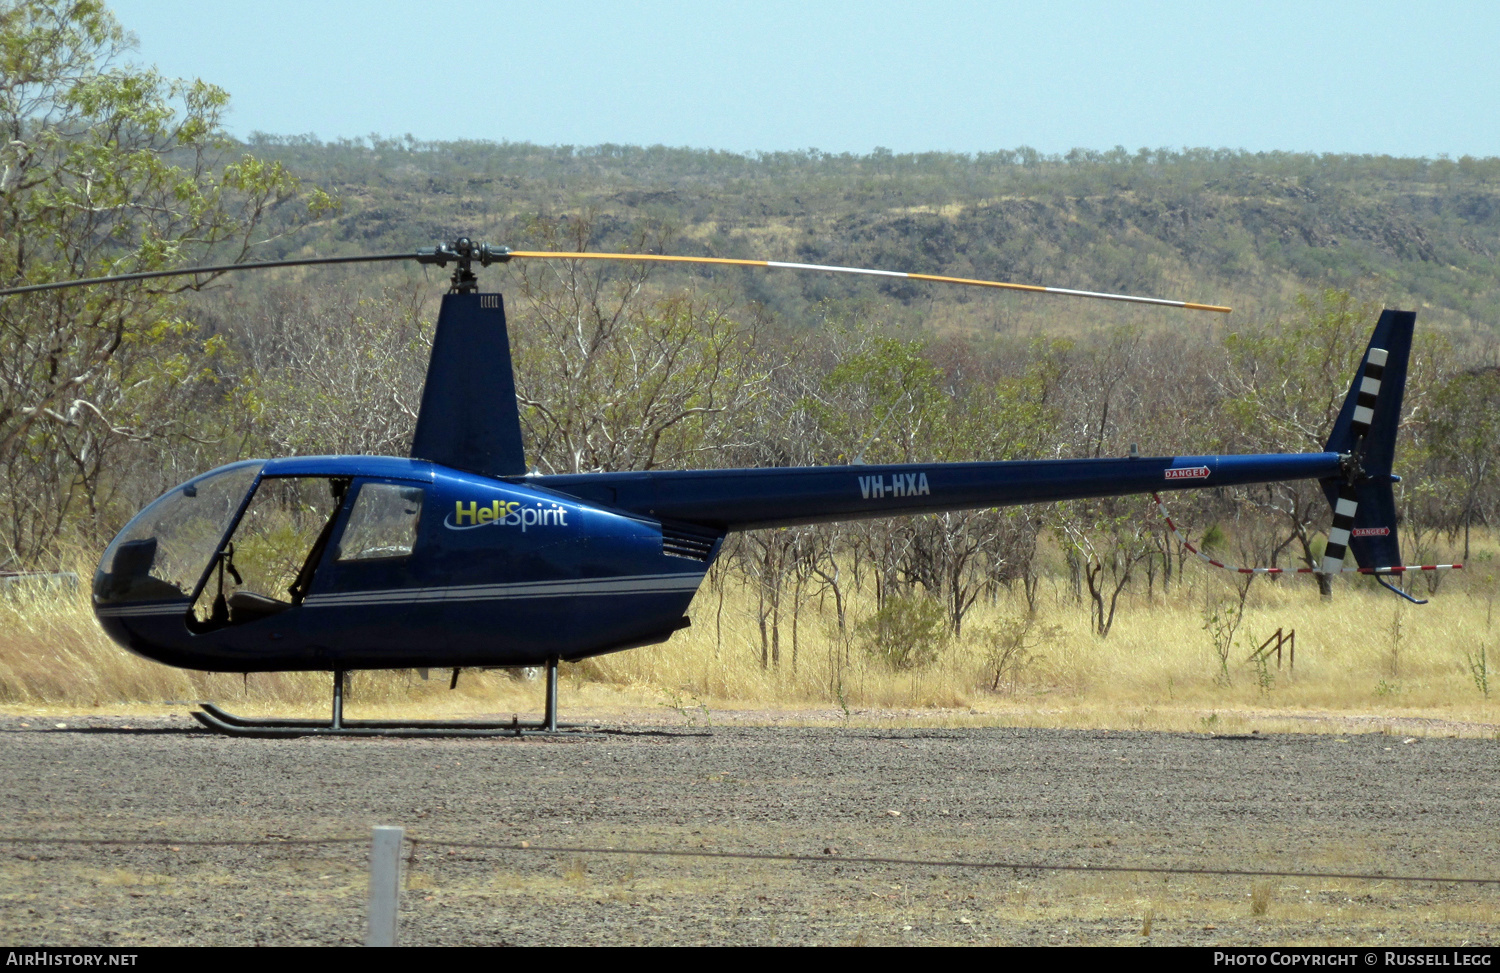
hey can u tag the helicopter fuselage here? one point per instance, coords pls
(368, 562)
(491, 573)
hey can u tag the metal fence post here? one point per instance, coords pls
(385, 885)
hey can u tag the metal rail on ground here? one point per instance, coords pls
(839, 859)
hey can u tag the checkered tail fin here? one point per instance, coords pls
(1364, 507)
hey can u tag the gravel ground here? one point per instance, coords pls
(1359, 803)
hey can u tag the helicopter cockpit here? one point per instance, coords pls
(240, 547)
(288, 530)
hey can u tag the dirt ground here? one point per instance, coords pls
(1357, 803)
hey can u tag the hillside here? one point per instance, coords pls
(1250, 229)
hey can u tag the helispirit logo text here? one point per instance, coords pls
(503, 513)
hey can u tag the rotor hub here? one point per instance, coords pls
(463, 252)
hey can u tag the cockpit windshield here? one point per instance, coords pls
(164, 551)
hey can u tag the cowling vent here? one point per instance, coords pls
(683, 540)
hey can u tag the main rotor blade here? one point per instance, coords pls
(487, 255)
(191, 271)
(934, 278)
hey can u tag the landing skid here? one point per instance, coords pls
(221, 721)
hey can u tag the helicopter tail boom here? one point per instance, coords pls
(749, 499)
(1354, 471)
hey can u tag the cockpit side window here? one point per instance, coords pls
(382, 523)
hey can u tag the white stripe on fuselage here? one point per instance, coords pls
(643, 584)
(135, 611)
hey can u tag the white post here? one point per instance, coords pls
(385, 885)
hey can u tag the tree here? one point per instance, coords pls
(891, 400)
(103, 169)
(1108, 541)
(611, 376)
(907, 633)
(1463, 433)
(1284, 386)
(329, 371)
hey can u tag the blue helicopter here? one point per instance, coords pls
(457, 557)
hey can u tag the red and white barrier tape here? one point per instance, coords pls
(1396, 569)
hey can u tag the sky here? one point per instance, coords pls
(1406, 79)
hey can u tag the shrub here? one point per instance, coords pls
(908, 633)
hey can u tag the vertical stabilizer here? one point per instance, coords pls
(1372, 411)
(1364, 507)
(469, 419)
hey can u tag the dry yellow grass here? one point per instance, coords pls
(1365, 658)
(1365, 653)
